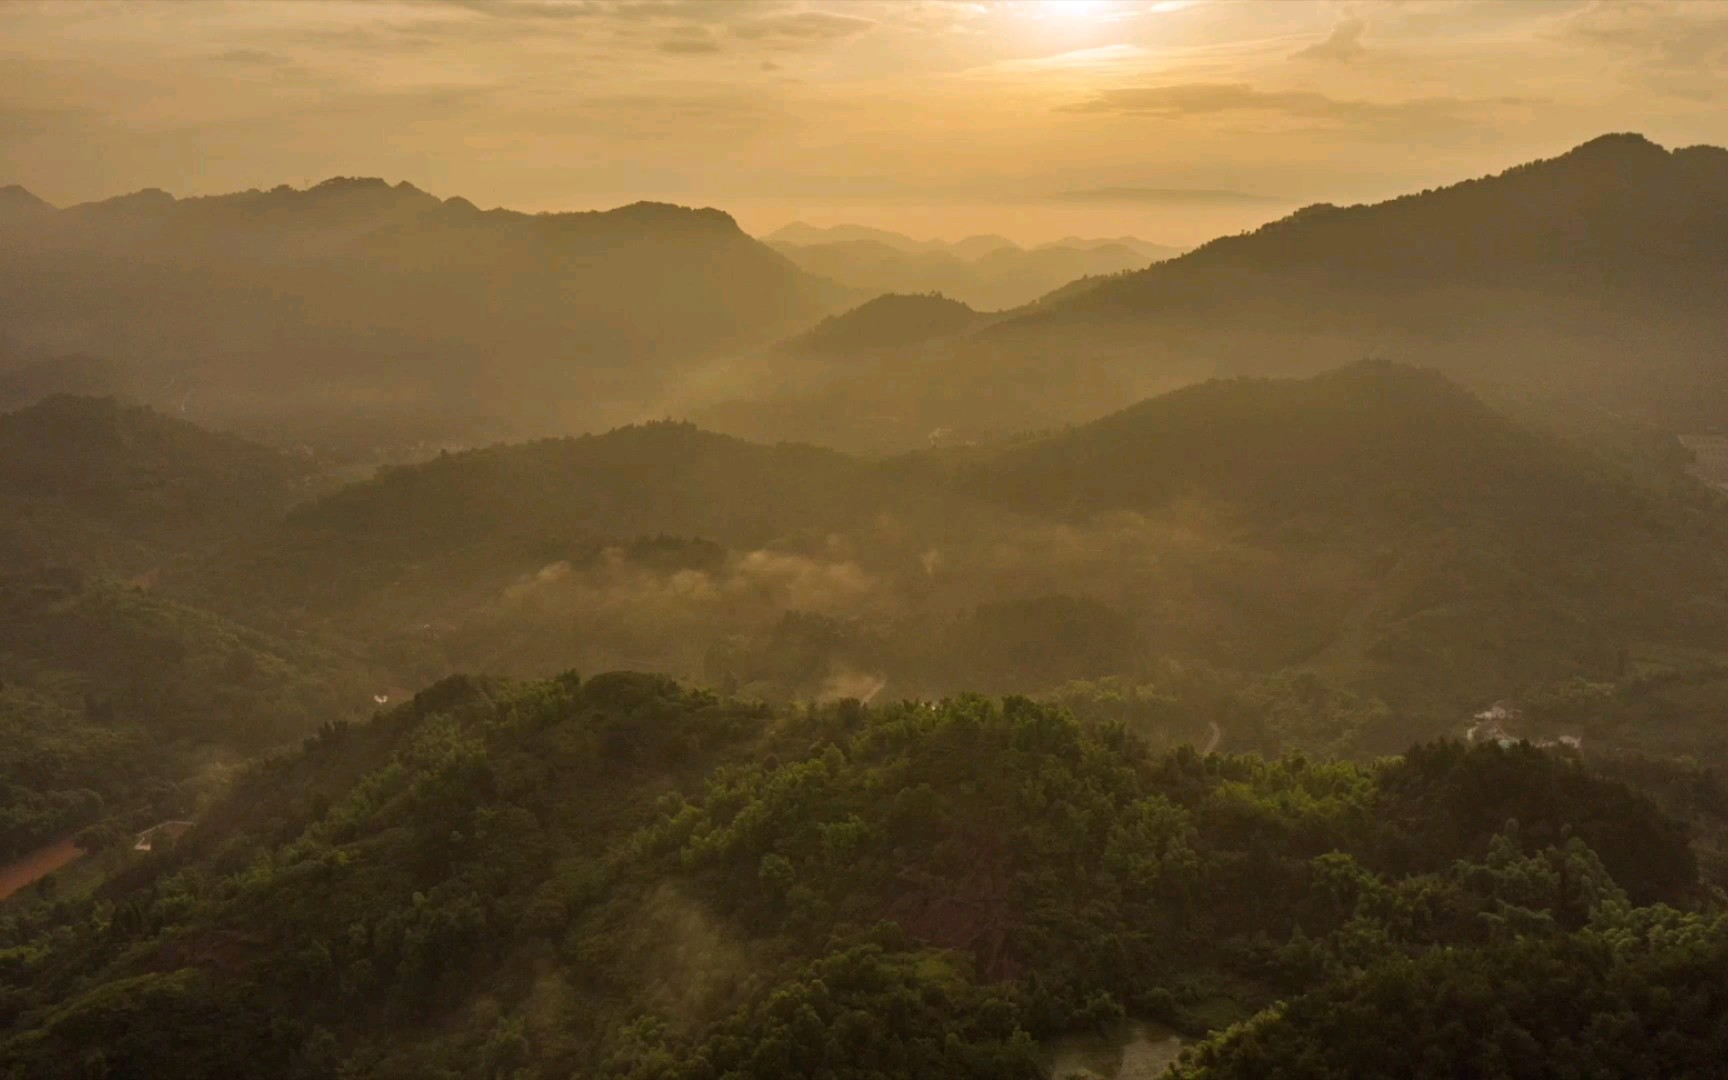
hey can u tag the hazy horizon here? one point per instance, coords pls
(448, 632)
(1032, 120)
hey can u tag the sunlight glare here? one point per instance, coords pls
(1072, 10)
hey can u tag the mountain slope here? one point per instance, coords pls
(620, 878)
(1376, 525)
(888, 321)
(1340, 447)
(1596, 268)
(1592, 277)
(89, 483)
(987, 272)
(382, 310)
(1470, 549)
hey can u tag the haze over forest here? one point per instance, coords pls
(678, 540)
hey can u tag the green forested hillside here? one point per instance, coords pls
(91, 484)
(110, 696)
(621, 877)
(1467, 535)
(1376, 527)
(1635, 995)
(631, 877)
(114, 696)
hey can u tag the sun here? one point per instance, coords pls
(1072, 10)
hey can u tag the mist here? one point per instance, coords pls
(1020, 539)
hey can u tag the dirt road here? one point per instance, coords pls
(28, 869)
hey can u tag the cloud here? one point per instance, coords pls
(252, 58)
(26, 122)
(1678, 49)
(688, 46)
(804, 26)
(689, 41)
(1343, 44)
(1121, 57)
(1163, 196)
(546, 9)
(1180, 101)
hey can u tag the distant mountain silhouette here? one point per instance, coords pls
(1378, 521)
(88, 483)
(1369, 441)
(1164, 196)
(1599, 270)
(362, 302)
(24, 383)
(991, 273)
(16, 202)
(888, 321)
(1595, 277)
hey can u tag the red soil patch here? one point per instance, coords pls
(26, 871)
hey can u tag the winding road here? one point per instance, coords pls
(1212, 743)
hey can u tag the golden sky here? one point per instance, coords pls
(1169, 119)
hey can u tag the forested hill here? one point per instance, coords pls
(503, 510)
(115, 700)
(1472, 534)
(1592, 277)
(890, 320)
(1372, 440)
(307, 312)
(1595, 268)
(1376, 524)
(89, 483)
(115, 704)
(1662, 214)
(619, 877)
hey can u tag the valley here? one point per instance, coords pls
(522, 633)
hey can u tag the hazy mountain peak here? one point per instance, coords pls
(150, 197)
(357, 183)
(1583, 199)
(14, 197)
(668, 215)
(976, 247)
(888, 321)
(1619, 145)
(803, 234)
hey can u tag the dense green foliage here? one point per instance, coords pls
(111, 695)
(1637, 993)
(625, 878)
(822, 854)
(1375, 528)
(90, 484)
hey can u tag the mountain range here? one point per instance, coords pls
(358, 314)
(988, 272)
(1590, 279)
(1376, 526)
(359, 311)
(828, 852)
